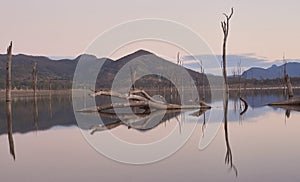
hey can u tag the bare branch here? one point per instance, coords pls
(231, 13)
(228, 17)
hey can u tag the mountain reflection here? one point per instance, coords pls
(47, 112)
(31, 114)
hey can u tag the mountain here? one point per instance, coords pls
(148, 63)
(273, 72)
(60, 72)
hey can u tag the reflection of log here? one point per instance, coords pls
(290, 107)
(141, 99)
(140, 121)
(199, 112)
(292, 101)
(106, 127)
(245, 104)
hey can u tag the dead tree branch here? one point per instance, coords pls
(225, 28)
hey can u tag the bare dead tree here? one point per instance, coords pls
(203, 84)
(289, 86)
(225, 27)
(287, 81)
(239, 73)
(35, 104)
(8, 101)
(284, 75)
(34, 78)
(8, 73)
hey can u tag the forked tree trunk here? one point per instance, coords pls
(225, 27)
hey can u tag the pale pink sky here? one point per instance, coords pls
(65, 28)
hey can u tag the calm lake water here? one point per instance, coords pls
(49, 146)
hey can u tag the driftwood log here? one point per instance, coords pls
(139, 121)
(141, 99)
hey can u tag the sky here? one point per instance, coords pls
(263, 29)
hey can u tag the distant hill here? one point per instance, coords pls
(60, 72)
(273, 72)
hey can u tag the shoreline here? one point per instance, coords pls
(29, 93)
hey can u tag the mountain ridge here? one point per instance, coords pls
(60, 72)
(272, 72)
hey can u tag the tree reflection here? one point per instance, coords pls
(9, 130)
(141, 121)
(228, 156)
(288, 109)
(35, 113)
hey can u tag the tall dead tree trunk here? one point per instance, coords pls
(8, 101)
(8, 73)
(225, 27)
(34, 78)
(203, 84)
(289, 86)
(284, 76)
(35, 104)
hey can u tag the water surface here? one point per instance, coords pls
(49, 146)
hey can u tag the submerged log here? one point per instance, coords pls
(245, 104)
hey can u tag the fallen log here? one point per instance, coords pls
(141, 99)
